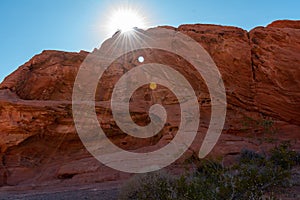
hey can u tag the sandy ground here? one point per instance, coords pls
(101, 191)
(92, 194)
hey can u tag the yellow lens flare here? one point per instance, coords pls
(153, 86)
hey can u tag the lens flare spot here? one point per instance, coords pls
(141, 59)
(153, 86)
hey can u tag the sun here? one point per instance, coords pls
(124, 20)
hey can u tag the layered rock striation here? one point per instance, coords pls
(260, 69)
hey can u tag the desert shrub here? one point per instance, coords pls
(248, 156)
(246, 180)
(264, 126)
(254, 179)
(254, 176)
(150, 186)
(211, 181)
(284, 157)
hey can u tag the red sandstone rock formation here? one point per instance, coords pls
(261, 73)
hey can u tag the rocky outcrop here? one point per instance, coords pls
(47, 76)
(275, 63)
(261, 73)
(284, 24)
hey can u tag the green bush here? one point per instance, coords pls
(284, 157)
(150, 186)
(253, 177)
(248, 156)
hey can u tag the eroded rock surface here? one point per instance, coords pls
(261, 73)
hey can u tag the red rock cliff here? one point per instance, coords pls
(261, 73)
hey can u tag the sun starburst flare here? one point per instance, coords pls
(125, 20)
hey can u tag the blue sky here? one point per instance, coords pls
(30, 26)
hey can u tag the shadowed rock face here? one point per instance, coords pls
(261, 73)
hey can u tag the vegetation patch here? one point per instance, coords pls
(254, 176)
